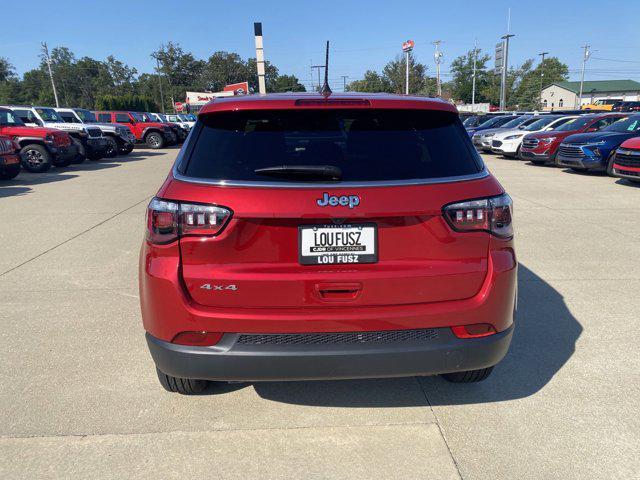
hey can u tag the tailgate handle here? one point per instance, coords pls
(338, 292)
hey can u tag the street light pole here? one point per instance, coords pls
(542, 54)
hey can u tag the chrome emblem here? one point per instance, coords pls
(343, 200)
(208, 286)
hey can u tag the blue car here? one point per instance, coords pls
(493, 122)
(594, 151)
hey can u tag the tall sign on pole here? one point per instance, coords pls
(257, 30)
(406, 48)
(505, 66)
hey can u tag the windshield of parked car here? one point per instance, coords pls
(184, 118)
(493, 122)
(574, 124)
(150, 117)
(362, 145)
(69, 117)
(140, 117)
(629, 124)
(517, 121)
(539, 124)
(49, 115)
(8, 118)
(86, 115)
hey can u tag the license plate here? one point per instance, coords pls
(337, 244)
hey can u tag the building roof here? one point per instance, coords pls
(601, 86)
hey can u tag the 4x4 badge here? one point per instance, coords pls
(343, 200)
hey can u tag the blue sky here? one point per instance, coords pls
(363, 34)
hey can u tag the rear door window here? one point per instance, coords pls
(365, 145)
(122, 118)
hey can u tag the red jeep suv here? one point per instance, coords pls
(327, 237)
(154, 134)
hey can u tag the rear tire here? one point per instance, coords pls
(154, 140)
(184, 386)
(9, 172)
(610, 164)
(469, 376)
(35, 158)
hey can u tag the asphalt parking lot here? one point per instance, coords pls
(80, 398)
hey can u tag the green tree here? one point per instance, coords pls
(395, 73)
(461, 86)
(6, 70)
(372, 82)
(526, 94)
(287, 83)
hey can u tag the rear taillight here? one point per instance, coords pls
(492, 215)
(166, 220)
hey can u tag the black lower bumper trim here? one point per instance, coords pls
(233, 361)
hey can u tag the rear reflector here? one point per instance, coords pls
(473, 331)
(197, 339)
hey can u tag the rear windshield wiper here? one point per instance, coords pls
(307, 172)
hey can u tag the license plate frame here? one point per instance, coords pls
(343, 256)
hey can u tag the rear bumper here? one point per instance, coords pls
(230, 360)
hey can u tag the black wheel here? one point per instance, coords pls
(112, 148)
(154, 140)
(610, 164)
(126, 149)
(80, 157)
(9, 172)
(35, 158)
(470, 376)
(185, 386)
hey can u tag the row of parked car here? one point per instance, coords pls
(37, 138)
(579, 140)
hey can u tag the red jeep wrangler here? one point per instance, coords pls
(9, 159)
(154, 134)
(40, 147)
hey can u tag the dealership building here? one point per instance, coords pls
(564, 95)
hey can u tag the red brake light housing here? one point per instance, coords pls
(197, 339)
(493, 215)
(168, 220)
(473, 331)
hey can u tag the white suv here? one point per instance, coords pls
(508, 142)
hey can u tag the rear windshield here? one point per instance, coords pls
(364, 145)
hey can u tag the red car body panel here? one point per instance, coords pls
(8, 155)
(18, 132)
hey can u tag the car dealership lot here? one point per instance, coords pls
(80, 398)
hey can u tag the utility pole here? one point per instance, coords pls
(585, 57)
(45, 52)
(344, 82)
(318, 67)
(257, 30)
(160, 85)
(473, 81)
(438, 58)
(542, 54)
